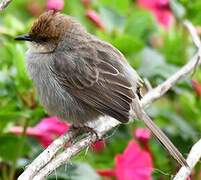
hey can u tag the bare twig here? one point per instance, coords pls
(147, 84)
(37, 168)
(193, 32)
(189, 67)
(195, 153)
(192, 159)
(166, 85)
(65, 157)
(48, 160)
(4, 4)
(45, 157)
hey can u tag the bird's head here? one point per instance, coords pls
(46, 31)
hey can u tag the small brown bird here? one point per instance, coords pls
(79, 77)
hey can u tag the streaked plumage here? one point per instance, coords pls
(79, 77)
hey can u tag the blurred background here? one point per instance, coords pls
(151, 35)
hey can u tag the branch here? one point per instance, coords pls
(38, 169)
(45, 156)
(4, 4)
(192, 159)
(65, 156)
(192, 30)
(160, 90)
(195, 153)
(190, 66)
(48, 160)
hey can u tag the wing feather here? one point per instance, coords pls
(97, 83)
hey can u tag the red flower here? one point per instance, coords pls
(134, 163)
(46, 131)
(197, 87)
(160, 9)
(106, 172)
(143, 134)
(86, 3)
(98, 146)
(49, 129)
(34, 8)
(93, 17)
(55, 5)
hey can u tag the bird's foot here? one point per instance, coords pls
(79, 131)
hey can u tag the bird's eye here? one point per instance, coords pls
(43, 39)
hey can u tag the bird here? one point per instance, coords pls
(79, 77)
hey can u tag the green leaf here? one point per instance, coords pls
(7, 148)
(177, 8)
(185, 129)
(176, 45)
(140, 24)
(112, 19)
(12, 25)
(19, 53)
(119, 6)
(127, 44)
(164, 111)
(193, 11)
(189, 105)
(74, 8)
(153, 64)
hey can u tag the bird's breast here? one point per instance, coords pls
(54, 98)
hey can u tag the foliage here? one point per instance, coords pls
(154, 50)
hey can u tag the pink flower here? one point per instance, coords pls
(197, 87)
(134, 163)
(49, 129)
(94, 18)
(143, 134)
(55, 5)
(86, 3)
(98, 146)
(46, 131)
(160, 9)
(34, 8)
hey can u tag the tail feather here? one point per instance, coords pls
(174, 152)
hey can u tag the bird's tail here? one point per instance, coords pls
(174, 152)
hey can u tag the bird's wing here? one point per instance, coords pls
(102, 86)
(95, 82)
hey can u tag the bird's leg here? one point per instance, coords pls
(86, 129)
(80, 130)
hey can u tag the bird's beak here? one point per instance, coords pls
(25, 37)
